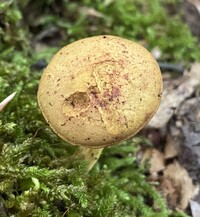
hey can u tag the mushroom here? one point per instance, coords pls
(98, 91)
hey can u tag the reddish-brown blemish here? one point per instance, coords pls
(115, 92)
(106, 94)
(93, 93)
(126, 76)
(121, 63)
(115, 72)
(103, 104)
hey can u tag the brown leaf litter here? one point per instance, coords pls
(175, 165)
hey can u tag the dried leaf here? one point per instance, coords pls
(192, 15)
(172, 147)
(91, 12)
(156, 160)
(172, 99)
(189, 116)
(177, 186)
(195, 208)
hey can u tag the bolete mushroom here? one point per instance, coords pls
(98, 91)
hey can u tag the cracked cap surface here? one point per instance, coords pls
(100, 90)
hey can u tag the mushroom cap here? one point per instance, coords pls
(100, 90)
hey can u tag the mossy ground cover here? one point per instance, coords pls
(39, 175)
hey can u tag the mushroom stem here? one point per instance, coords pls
(91, 155)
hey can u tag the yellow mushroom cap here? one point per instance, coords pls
(100, 90)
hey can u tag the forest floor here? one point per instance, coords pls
(156, 173)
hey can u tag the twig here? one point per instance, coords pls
(6, 101)
(170, 67)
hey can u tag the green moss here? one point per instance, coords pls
(146, 21)
(39, 176)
